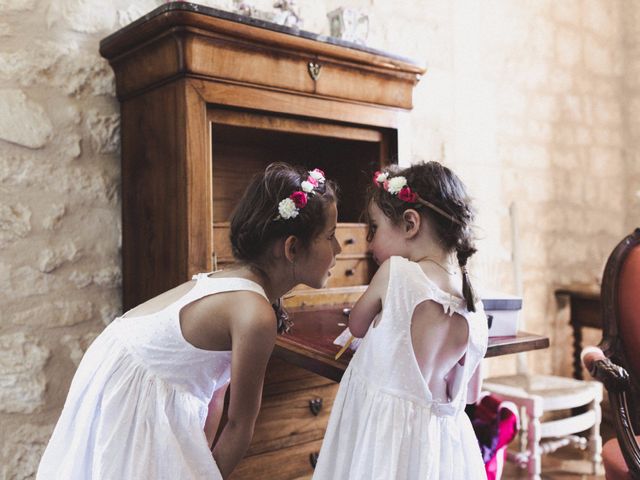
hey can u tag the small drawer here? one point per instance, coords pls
(351, 271)
(222, 243)
(294, 463)
(352, 238)
(344, 80)
(291, 418)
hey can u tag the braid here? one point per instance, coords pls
(464, 249)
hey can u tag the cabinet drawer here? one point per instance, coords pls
(291, 418)
(295, 463)
(352, 238)
(351, 271)
(342, 80)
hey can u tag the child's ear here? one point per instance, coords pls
(291, 248)
(411, 222)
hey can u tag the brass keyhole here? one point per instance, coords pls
(314, 70)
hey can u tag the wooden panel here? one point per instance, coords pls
(290, 464)
(263, 121)
(154, 231)
(304, 298)
(279, 101)
(286, 419)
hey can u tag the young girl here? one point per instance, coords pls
(147, 397)
(399, 412)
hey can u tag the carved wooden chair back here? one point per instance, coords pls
(616, 361)
(621, 315)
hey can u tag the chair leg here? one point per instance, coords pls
(534, 465)
(595, 439)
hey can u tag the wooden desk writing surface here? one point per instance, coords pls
(309, 344)
(584, 306)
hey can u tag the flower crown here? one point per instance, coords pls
(290, 207)
(398, 187)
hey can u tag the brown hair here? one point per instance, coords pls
(438, 185)
(255, 224)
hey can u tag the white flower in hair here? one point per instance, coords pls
(307, 187)
(396, 184)
(382, 177)
(317, 174)
(287, 209)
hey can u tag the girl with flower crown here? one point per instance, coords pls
(399, 412)
(146, 399)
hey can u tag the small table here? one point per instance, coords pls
(309, 344)
(584, 306)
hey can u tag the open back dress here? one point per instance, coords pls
(385, 423)
(138, 402)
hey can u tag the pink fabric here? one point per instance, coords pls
(496, 424)
(629, 305)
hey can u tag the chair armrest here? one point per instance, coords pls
(616, 380)
(614, 377)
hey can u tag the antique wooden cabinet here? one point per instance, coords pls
(208, 98)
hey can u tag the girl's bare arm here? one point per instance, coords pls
(370, 303)
(216, 406)
(253, 337)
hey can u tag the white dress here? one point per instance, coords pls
(138, 402)
(384, 424)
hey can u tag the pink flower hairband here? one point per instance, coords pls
(398, 187)
(290, 207)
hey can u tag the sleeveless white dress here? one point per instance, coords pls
(138, 402)
(385, 424)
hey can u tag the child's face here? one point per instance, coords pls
(385, 238)
(313, 268)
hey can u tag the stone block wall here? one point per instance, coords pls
(533, 102)
(631, 111)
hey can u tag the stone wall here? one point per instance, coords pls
(533, 102)
(631, 111)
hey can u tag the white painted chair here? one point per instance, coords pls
(575, 404)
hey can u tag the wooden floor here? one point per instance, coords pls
(565, 464)
(568, 463)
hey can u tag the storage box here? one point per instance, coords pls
(503, 312)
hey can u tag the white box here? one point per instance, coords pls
(503, 312)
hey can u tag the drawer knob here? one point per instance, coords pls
(315, 405)
(313, 459)
(350, 272)
(350, 241)
(314, 70)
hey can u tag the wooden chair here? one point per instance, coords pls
(616, 360)
(576, 408)
(575, 404)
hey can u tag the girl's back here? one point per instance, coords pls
(439, 342)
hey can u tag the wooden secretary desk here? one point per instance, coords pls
(207, 99)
